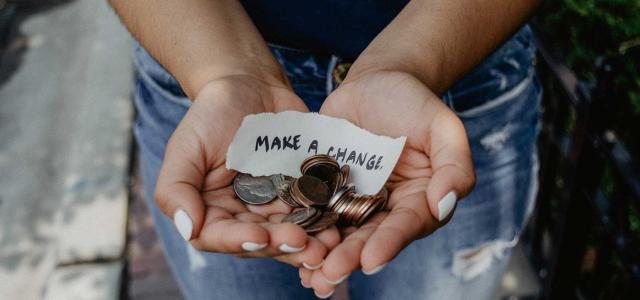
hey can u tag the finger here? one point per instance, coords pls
(285, 238)
(321, 286)
(408, 220)
(224, 198)
(305, 277)
(215, 235)
(311, 257)
(274, 207)
(345, 258)
(179, 182)
(330, 237)
(454, 175)
(250, 217)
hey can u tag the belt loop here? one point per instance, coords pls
(332, 65)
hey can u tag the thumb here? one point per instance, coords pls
(454, 175)
(179, 183)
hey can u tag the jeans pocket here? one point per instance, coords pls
(503, 74)
(157, 79)
(487, 97)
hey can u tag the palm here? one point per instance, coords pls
(396, 104)
(195, 179)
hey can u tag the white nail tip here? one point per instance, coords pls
(340, 280)
(183, 224)
(288, 249)
(374, 270)
(310, 267)
(324, 296)
(302, 283)
(446, 204)
(249, 246)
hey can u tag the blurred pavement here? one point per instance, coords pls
(65, 120)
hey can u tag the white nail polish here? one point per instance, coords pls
(446, 204)
(183, 224)
(324, 296)
(374, 270)
(340, 280)
(249, 246)
(311, 267)
(302, 283)
(288, 249)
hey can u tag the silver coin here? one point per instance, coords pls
(254, 190)
(302, 215)
(339, 194)
(280, 179)
(285, 195)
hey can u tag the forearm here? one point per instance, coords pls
(438, 41)
(200, 40)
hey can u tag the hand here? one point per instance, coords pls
(194, 186)
(434, 170)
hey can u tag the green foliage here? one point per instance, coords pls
(587, 29)
(584, 30)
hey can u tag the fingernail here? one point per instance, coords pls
(311, 267)
(249, 246)
(374, 270)
(183, 224)
(340, 280)
(288, 249)
(304, 285)
(445, 205)
(324, 296)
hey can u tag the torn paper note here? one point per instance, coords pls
(271, 143)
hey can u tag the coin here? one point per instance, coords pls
(345, 170)
(284, 195)
(321, 166)
(280, 179)
(338, 195)
(336, 182)
(302, 216)
(328, 219)
(321, 196)
(313, 190)
(254, 190)
(374, 204)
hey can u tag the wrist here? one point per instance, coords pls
(218, 75)
(247, 93)
(425, 70)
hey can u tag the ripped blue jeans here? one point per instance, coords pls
(498, 102)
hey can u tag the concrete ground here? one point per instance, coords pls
(73, 224)
(65, 132)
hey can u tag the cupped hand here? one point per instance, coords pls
(434, 170)
(194, 186)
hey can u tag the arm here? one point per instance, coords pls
(392, 89)
(226, 68)
(199, 41)
(438, 41)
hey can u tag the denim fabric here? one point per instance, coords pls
(498, 103)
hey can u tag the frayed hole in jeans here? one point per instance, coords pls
(472, 262)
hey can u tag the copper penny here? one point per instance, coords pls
(328, 219)
(314, 190)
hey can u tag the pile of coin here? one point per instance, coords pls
(321, 197)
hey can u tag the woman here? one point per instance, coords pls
(428, 70)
